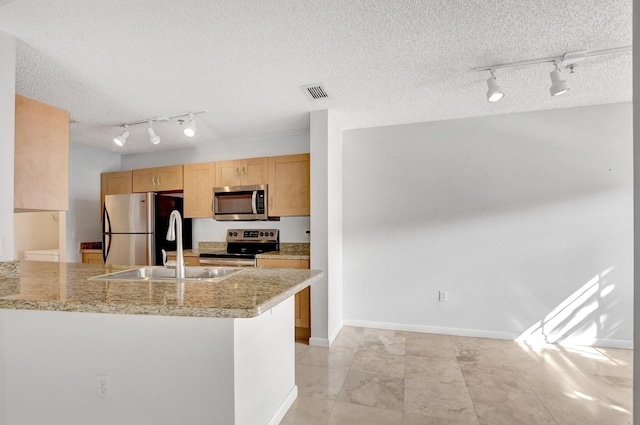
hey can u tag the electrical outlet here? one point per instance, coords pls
(103, 386)
(307, 235)
(442, 296)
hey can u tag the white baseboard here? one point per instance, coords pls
(284, 407)
(319, 342)
(336, 331)
(480, 333)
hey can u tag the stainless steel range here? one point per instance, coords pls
(242, 247)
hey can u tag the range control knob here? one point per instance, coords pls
(230, 233)
(261, 234)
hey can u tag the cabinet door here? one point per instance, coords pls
(199, 180)
(289, 185)
(257, 171)
(41, 171)
(170, 178)
(144, 180)
(114, 184)
(302, 299)
(92, 258)
(242, 172)
(228, 173)
(158, 179)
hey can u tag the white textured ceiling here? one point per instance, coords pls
(383, 61)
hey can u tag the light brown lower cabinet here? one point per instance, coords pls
(92, 258)
(188, 261)
(302, 298)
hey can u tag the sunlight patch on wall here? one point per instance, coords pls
(575, 321)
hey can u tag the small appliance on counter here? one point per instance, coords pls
(135, 227)
(242, 247)
(240, 203)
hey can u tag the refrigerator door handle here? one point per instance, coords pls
(106, 246)
(106, 229)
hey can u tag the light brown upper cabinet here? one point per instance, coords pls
(242, 172)
(41, 158)
(199, 180)
(114, 183)
(157, 179)
(289, 185)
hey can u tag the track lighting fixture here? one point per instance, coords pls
(495, 93)
(558, 84)
(122, 139)
(153, 137)
(190, 129)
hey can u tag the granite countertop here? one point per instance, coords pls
(64, 287)
(285, 255)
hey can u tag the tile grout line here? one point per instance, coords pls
(466, 385)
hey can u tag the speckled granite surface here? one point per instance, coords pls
(9, 268)
(64, 287)
(289, 251)
(212, 246)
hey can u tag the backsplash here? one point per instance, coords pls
(9, 269)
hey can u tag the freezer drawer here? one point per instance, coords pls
(129, 249)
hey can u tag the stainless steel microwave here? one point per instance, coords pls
(240, 203)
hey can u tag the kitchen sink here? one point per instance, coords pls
(163, 274)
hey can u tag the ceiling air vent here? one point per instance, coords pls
(315, 91)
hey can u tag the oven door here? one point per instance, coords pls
(240, 203)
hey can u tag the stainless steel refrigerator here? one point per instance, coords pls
(135, 227)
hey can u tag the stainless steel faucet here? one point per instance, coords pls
(175, 226)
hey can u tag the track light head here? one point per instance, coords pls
(558, 84)
(122, 139)
(153, 137)
(495, 93)
(190, 129)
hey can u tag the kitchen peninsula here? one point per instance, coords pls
(143, 352)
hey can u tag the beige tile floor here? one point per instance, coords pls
(380, 377)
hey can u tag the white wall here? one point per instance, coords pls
(326, 226)
(292, 229)
(636, 201)
(162, 370)
(511, 215)
(35, 230)
(83, 217)
(7, 119)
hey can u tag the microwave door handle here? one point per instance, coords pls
(254, 198)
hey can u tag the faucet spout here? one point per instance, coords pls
(175, 227)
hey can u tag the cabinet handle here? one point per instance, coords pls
(153, 179)
(237, 173)
(158, 179)
(244, 173)
(270, 202)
